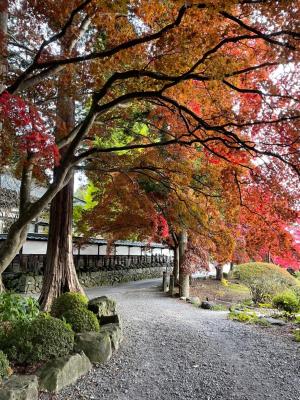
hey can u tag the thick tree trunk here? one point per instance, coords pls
(3, 43)
(184, 279)
(3, 70)
(176, 265)
(219, 272)
(10, 247)
(60, 273)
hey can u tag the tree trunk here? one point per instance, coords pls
(60, 272)
(219, 272)
(176, 265)
(3, 71)
(3, 43)
(184, 279)
(10, 247)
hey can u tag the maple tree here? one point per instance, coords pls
(226, 70)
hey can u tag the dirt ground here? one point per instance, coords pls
(226, 292)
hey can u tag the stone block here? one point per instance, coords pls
(62, 372)
(115, 333)
(102, 306)
(19, 387)
(96, 345)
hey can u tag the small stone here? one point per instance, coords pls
(206, 305)
(20, 387)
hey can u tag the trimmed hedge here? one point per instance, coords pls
(39, 340)
(66, 302)
(82, 320)
(264, 280)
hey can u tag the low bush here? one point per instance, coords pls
(264, 280)
(42, 339)
(66, 302)
(297, 335)
(82, 320)
(243, 316)
(287, 301)
(4, 366)
(14, 307)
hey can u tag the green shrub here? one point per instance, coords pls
(219, 307)
(14, 307)
(297, 335)
(264, 280)
(82, 320)
(265, 305)
(243, 316)
(4, 366)
(42, 339)
(263, 322)
(68, 301)
(287, 301)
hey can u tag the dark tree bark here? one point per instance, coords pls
(184, 278)
(219, 272)
(176, 265)
(60, 274)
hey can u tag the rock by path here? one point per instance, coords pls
(173, 350)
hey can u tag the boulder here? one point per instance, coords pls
(193, 300)
(96, 345)
(274, 321)
(102, 306)
(115, 334)
(206, 305)
(63, 371)
(19, 387)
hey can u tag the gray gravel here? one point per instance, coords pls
(173, 350)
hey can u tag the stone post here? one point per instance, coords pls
(171, 286)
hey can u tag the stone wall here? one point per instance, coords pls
(24, 283)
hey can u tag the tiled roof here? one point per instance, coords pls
(43, 237)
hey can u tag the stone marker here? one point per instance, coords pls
(19, 387)
(63, 371)
(96, 345)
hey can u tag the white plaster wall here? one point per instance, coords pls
(122, 250)
(156, 251)
(166, 252)
(89, 250)
(34, 247)
(135, 251)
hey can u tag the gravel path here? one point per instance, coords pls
(173, 350)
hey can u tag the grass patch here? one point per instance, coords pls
(297, 335)
(219, 307)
